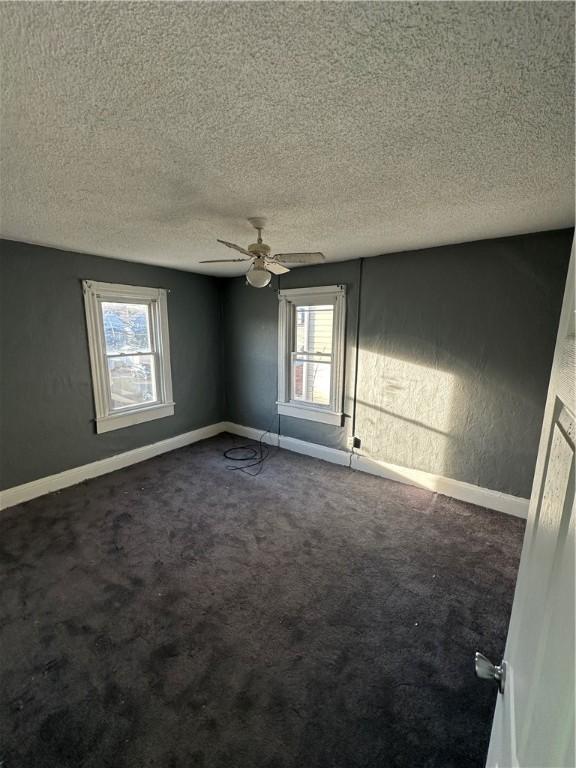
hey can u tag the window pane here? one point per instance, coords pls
(314, 326)
(126, 327)
(311, 381)
(132, 380)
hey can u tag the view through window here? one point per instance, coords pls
(311, 342)
(312, 357)
(129, 346)
(129, 353)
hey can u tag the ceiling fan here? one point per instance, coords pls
(264, 265)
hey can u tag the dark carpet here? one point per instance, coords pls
(179, 615)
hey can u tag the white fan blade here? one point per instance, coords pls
(276, 269)
(221, 261)
(300, 258)
(236, 247)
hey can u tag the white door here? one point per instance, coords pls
(534, 719)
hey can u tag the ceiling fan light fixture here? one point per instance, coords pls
(264, 265)
(258, 276)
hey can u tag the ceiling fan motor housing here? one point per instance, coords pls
(259, 249)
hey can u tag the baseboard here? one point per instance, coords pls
(456, 489)
(21, 493)
(333, 455)
(270, 438)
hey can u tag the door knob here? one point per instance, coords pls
(485, 670)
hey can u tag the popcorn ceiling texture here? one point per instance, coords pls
(143, 131)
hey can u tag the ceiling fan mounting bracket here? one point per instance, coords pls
(258, 222)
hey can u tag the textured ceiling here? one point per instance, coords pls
(146, 130)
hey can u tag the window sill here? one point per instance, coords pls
(310, 413)
(121, 420)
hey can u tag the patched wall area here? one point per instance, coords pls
(456, 345)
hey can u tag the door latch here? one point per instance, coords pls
(485, 670)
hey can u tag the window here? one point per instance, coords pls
(129, 353)
(311, 353)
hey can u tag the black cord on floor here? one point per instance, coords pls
(256, 454)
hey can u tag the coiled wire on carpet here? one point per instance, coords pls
(256, 454)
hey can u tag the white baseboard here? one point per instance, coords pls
(333, 455)
(270, 438)
(456, 489)
(21, 493)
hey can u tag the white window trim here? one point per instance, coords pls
(326, 294)
(94, 293)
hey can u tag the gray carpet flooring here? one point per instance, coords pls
(179, 615)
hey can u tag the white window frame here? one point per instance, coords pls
(95, 293)
(288, 300)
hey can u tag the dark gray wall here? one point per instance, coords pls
(456, 345)
(46, 405)
(251, 349)
(455, 349)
